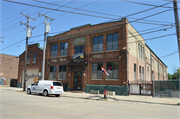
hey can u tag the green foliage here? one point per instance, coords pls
(175, 75)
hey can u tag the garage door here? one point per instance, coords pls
(32, 75)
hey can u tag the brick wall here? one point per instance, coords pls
(32, 49)
(9, 66)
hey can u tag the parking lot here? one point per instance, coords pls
(19, 105)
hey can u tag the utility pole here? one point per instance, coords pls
(28, 35)
(47, 29)
(177, 28)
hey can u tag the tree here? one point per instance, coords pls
(175, 75)
(169, 76)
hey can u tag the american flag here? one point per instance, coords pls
(104, 71)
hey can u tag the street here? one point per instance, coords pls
(19, 105)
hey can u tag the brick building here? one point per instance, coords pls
(8, 67)
(75, 57)
(34, 65)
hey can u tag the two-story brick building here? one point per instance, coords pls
(34, 65)
(75, 57)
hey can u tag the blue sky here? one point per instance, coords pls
(13, 32)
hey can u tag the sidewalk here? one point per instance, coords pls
(100, 97)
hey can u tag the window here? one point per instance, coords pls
(52, 74)
(97, 71)
(148, 71)
(139, 72)
(97, 43)
(134, 71)
(143, 53)
(139, 50)
(152, 75)
(79, 49)
(158, 76)
(142, 73)
(34, 57)
(54, 49)
(112, 70)
(112, 41)
(62, 71)
(28, 59)
(63, 49)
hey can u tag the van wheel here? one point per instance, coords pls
(45, 93)
(28, 91)
(57, 95)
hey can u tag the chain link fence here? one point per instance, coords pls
(169, 88)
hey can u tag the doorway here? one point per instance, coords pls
(78, 80)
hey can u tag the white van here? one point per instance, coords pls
(46, 88)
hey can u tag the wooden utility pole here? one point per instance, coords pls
(177, 27)
(28, 35)
(47, 30)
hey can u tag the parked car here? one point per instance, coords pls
(46, 88)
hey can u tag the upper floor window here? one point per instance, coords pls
(54, 50)
(63, 49)
(112, 41)
(97, 43)
(28, 59)
(141, 52)
(79, 49)
(34, 57)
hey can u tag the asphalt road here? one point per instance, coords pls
(19, 105)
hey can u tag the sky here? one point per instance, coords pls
(152, 27)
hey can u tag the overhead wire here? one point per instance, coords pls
(146, 10)
(36, 17)
(146, 4)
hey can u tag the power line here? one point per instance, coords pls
(146, 10)
(151, 15)
(146, 4)
(59, 10)
(20, 17)
(99, 12)
(169, 54)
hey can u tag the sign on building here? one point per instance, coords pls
(79, 41)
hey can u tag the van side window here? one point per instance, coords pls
(36, 83)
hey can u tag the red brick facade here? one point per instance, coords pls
(32, 49)
(122, 55)
(8, 66)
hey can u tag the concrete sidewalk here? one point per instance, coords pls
(130, 99)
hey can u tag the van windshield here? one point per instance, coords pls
(57, 84)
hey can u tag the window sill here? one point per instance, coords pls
(61, 79)
(53, 57)
(33, 62)
(27, 63)
(63, 56)
(111, 50)
(97, 52)
(112, 79)
(97, 79)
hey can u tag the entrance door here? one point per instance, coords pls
(78, 80)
